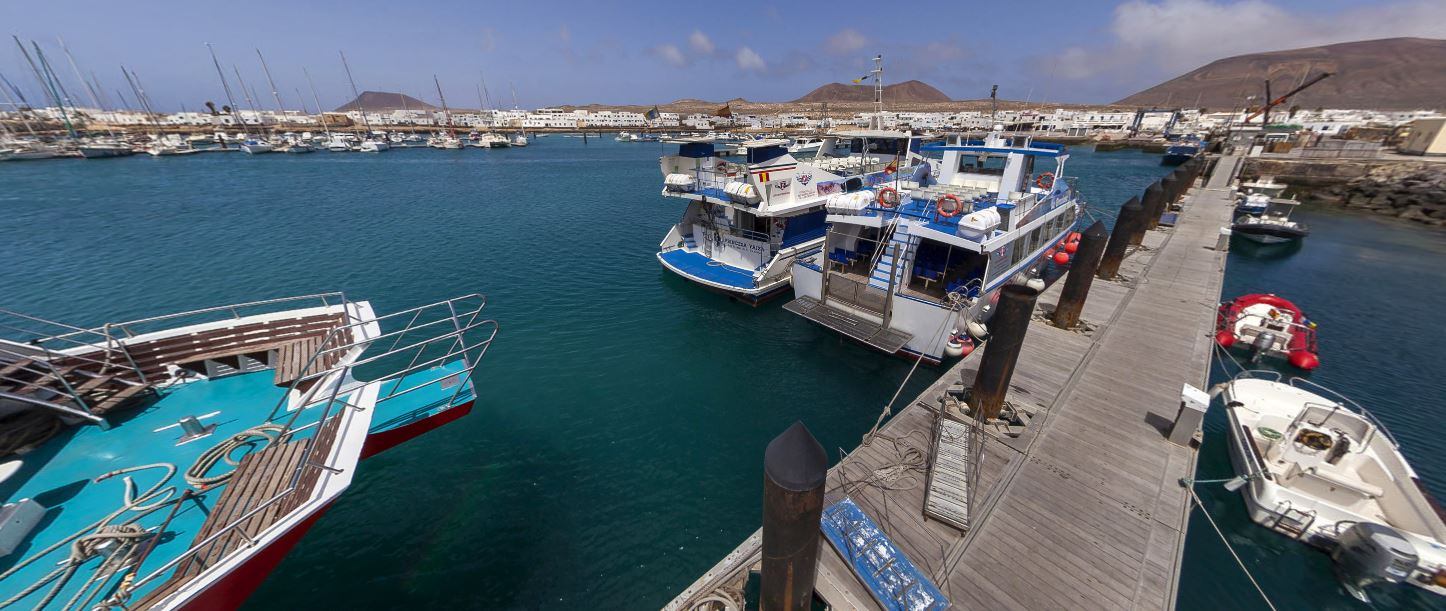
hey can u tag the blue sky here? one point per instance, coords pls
(644, 52)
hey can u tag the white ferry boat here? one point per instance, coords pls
(914, 258)
(1317, 467)
(745, 222)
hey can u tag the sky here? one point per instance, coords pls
(572, 52)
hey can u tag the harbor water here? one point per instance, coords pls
(616, 450)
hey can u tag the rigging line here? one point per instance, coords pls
(888, 409)
(1226, 541)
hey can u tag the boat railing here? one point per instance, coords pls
(1349, 403)
(45, 343)
(450, 330)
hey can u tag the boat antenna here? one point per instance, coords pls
(356, 96)
(879, 91)
(993, 105)
(320, 114)
(230, 99)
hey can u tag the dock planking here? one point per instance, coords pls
(1084, 509)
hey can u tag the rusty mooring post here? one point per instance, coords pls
(1153, 201)
(1081, 275)
(794, 470)
(1130, 220)
(996, 367)
(1169, 187)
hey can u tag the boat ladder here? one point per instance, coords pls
(1291, 521)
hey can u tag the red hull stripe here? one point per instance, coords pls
(377, 443)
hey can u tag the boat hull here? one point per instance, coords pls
(232, 589)
(106, 152)
(257, 149)
(1267, 234)
(751, 295)
(381, 441)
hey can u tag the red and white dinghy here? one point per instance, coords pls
(1268, 325)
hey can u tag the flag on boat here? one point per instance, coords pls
(863, 78)
(725, 111)
(652, 115)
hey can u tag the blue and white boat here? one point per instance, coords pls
(1182, 150)
(746, 221)
(913, 260)
(171, 462)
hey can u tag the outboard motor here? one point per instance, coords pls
(1369, 553)
(1261, 345)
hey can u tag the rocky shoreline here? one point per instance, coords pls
(1409, 190)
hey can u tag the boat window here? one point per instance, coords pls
(940, 269)
(747, 221)
(982, 164)
(764, 153)
(879, 146)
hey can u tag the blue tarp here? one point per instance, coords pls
(894, 581)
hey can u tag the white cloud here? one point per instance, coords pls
(671, 55)
(846, 41)
(749, 60)
(701, 43)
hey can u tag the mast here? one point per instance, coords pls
(514, 107)
(249, 97)
(302, 100)
(7, 88)
(274, 93)
(46, 86)
(879, 86)
(94, 99)
(230, 100)
(356, 96)
(320, 114)
(140, 94)
(446, 115)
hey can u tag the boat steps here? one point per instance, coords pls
(868, 332)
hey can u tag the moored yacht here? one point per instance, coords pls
(257, 146)
(1272, 226)
(916, 253)
(1317, 467)
(744, 222)
(172, 462)
(105, 148)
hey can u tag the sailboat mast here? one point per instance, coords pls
(446, 114)
(320, 114)
(145, 103)
(230, 100)
(11, 99)
(356, 96)
(46, 85)
(274, 93)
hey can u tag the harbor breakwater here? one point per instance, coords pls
(1408, 190)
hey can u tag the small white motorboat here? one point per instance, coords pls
(1317, 467)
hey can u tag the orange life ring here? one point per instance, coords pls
(888, 197)
(1039, 181)
(953, 212)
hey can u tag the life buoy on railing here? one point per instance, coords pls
(951, 211)
(888, 197)
(1039, 182)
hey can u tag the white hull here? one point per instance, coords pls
(257, 148)
(26, 155)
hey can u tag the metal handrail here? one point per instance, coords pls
(1301, 383)
(335, 400)
(64, 409)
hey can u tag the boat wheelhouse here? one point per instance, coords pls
(171, 462)
(915, 254)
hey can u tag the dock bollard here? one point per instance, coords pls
(1001, 352)
(1131, 218)
(1152, 203)
(1081, 275)
(795, 468)
(1170, 187)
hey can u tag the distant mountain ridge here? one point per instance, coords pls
(907, 92)
(1386, 74)
(384, 100)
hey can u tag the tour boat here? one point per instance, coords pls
(744, 222)
(915, 254)
(172, 462)
(1317, 467)
(1273, 226)
(1268, 326)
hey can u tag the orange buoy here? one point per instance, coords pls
(1073, 236)
(1071, 247)
(1061, 258)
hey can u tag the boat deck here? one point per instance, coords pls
(1082, 509)
(61, 475)
(695, 265)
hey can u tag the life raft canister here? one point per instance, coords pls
(953, 211)
(888, 197)
(1040, 182)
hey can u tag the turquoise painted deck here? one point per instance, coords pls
(427, 401)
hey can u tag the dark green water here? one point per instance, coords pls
(616, 450)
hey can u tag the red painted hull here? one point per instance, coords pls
(233, 589)
(376, 443)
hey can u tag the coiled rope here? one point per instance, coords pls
(196, 475)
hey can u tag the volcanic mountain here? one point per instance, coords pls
(1386, 74)
(906, 92)
(384, 100)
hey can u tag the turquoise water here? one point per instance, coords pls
(616, 450)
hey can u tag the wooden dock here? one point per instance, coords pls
(1083, 509)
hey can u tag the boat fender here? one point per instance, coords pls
(1061, 258)
(1042, 183)
(1225, 339)
(1304, 359)
(1071, 247)
(953, 348)
(977, 330)
(888, 197)
(1035, 283)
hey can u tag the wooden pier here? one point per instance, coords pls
(1081, 508)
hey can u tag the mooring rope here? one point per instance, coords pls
(1226, 541)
